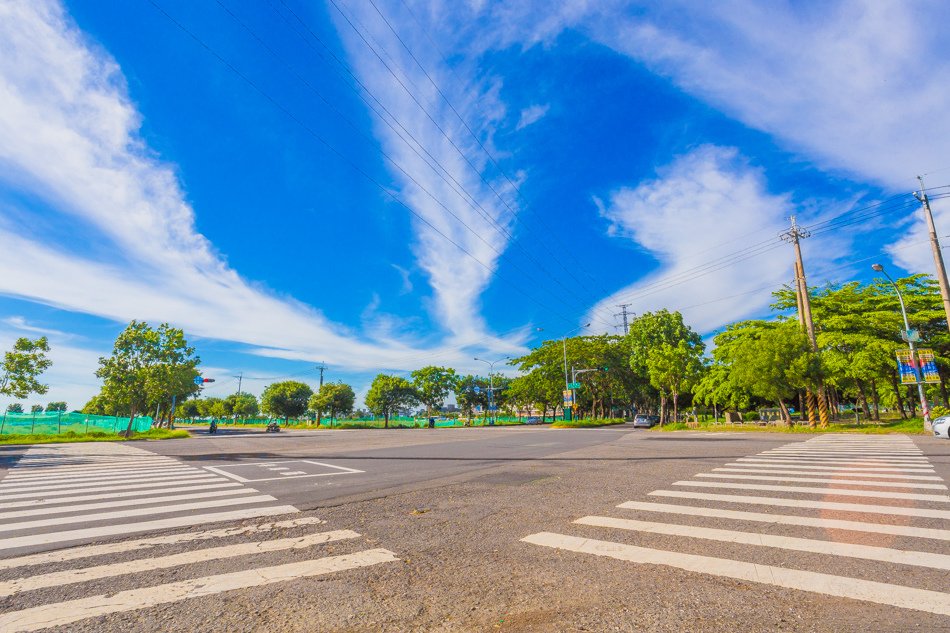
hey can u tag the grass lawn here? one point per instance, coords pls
(95, 436)
(584, 424)
(913, 426)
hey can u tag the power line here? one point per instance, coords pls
(345, 159)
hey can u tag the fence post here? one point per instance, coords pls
(3, 423)
(59, 422)
(33, 423)
(87, 426)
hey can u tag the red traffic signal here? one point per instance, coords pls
(207, 380)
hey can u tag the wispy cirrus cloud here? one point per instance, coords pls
(532, 114)
(69, 136)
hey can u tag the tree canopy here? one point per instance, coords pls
(388, 394)
(22, 367)
(287, 399)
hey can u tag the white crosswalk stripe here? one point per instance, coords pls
(58, 494)
(886, 470)
(39, 512)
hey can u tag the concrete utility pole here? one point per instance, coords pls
(623, 313)
(794, 235)
(809, 396)
(935, 247)
(240, 377)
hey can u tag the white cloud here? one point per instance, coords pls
(706, 205)
(441, 157)
(69, 135)
(532, 114)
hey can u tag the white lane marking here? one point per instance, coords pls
(61, 613)
(839, 586)
(21, 470)
(65, 536)
(861, 461)
(125, 503)
(788, 519)
(790, 463)
(828, 480)
(88, 551)
(861, 456)
(340, 470)
(825, 473)
(122, 514)
(88, 486)
(51, 495)
(866, 552)
(798, 503)
(809, 490)
(294, 472)
(44, 500)
(71, 576)
(137, 474)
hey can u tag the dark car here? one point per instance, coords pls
(533, 420)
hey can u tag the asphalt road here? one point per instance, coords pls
(479, 529)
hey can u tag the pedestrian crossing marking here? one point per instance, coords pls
(62, 613)
(72, 576)
(889, 472)
(839, 586)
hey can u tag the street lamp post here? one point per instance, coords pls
(913, 353)
(491, 384)
(567, 410)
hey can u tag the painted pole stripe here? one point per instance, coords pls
(122, 514)
(809, 490)
(749, 468)
(846, 465)
(62, 613)
(124, 503)
(799, 503)
(833, 480)
(90, 486)
(135, 474)
(787, 519)
(51, 538)
(866, 552)
(87, 551)
(72, 576)
(50, 494)
(813, 582)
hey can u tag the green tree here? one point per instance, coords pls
(334, 398)
(387, 394)
(471, 392)
(433, 385)
(242, 404)
(772, 360)
(97, 405)
(287, 399)
(54, 407)
(147, 367)
(674, 369)
(186, 409)
(36, 408)
(15, 407)
(22, 367)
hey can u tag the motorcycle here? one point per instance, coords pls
(213, 428)
(273, 427)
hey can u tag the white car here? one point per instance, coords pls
(942, 427)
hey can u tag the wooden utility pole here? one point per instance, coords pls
(935, 247)
(794, 235)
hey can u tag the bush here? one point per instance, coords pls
(939, 412)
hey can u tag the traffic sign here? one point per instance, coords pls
(198, 380)
(911, 336)
(574, 385)
(477, 389)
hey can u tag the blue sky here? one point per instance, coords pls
(386, 184)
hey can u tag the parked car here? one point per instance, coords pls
(533, 420)
(942, 427)
(642, 421)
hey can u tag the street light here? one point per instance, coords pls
(564, 343)
(491, 383)
(913, 354)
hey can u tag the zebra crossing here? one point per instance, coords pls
(114, 489)
(870, 489)
(59, 499)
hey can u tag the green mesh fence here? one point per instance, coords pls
(54, 423)
(395, 421)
